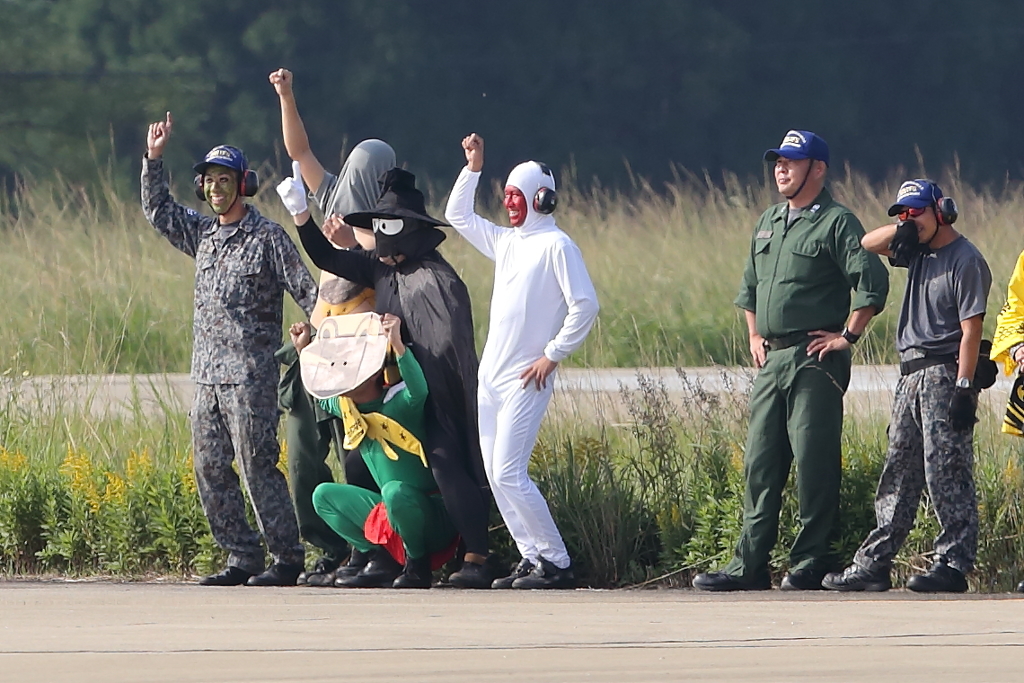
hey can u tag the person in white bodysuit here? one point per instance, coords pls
(542, 307)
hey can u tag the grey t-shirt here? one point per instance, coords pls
(944, 287)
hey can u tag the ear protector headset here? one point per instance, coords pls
(546, 200)
(249, 180)
(945, 208)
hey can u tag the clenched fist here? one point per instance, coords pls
(473, 145)
(300, 333)
(282, 82)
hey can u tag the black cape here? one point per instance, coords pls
(437, 321)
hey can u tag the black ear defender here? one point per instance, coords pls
(249, 186)
(546, 200)
(945, 207)
(946, 211)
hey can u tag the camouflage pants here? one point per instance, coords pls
(925, 451)
(238, 423)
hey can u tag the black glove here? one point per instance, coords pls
(963, 408)
(986, 373)
(905, 244)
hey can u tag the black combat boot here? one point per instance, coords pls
(546, 575)
(380, 572)
(473, 575)
(941, 578)
(721, 582)
(322, 573)
(522, 569)
(232, 576)
(807, 579)
(857, 578)
(278, 575)
(355, 563)
(416, 574)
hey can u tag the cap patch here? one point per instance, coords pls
(911, 188)
(793, 139)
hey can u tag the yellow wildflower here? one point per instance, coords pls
(138, 465)
(14, 462)
(115, 490)
(77, 467)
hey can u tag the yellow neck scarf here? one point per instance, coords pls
(380, 428)
(347, 307)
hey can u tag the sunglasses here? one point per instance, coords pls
(911, 213)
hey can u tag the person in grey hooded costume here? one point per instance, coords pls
(310, 430)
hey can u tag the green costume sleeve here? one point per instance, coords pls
(863, 270)
(330, 405)
(414, 396)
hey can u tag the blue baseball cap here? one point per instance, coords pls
(800, 144)
(224, 155)
(916, 194)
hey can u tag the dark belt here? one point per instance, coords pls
(788, 340)
(909, 367)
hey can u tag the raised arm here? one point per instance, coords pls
(179, 224)
(878, 240)
(296, 142)
(461, 212)
(356, 266)
(415, 394)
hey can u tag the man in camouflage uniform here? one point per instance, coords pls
(932, 428)
(244, 262)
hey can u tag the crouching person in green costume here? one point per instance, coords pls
(406, 523)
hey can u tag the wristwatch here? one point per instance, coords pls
(963, 383)
(849, 336)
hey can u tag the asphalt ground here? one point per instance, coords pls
(110, 632)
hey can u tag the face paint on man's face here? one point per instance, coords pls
(220, 185)
(515, 204)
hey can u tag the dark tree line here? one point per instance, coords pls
(598, 84)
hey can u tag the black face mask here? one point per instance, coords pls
(406, 237)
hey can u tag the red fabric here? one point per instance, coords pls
(378, 530)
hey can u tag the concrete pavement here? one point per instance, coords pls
(113, 632)
(585, 393)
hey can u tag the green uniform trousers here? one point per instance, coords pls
(308, 433)
(796, 413)
(420, 519)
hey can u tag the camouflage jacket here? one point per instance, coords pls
(240, 283)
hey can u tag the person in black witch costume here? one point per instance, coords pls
(414, 282)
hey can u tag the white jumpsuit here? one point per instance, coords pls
(543, 303)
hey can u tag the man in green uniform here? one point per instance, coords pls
(805, 258)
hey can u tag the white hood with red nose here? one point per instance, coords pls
(528, 177)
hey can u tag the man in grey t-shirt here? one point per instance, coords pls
(931, 433)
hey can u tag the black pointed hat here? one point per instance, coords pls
(399, 199)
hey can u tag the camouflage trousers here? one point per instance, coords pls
(238, 423)
(925, 451)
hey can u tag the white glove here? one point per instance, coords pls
(293, 192)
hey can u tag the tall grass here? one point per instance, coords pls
(89, 286)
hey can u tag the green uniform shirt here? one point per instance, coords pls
(798, 278)
(404, 406)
